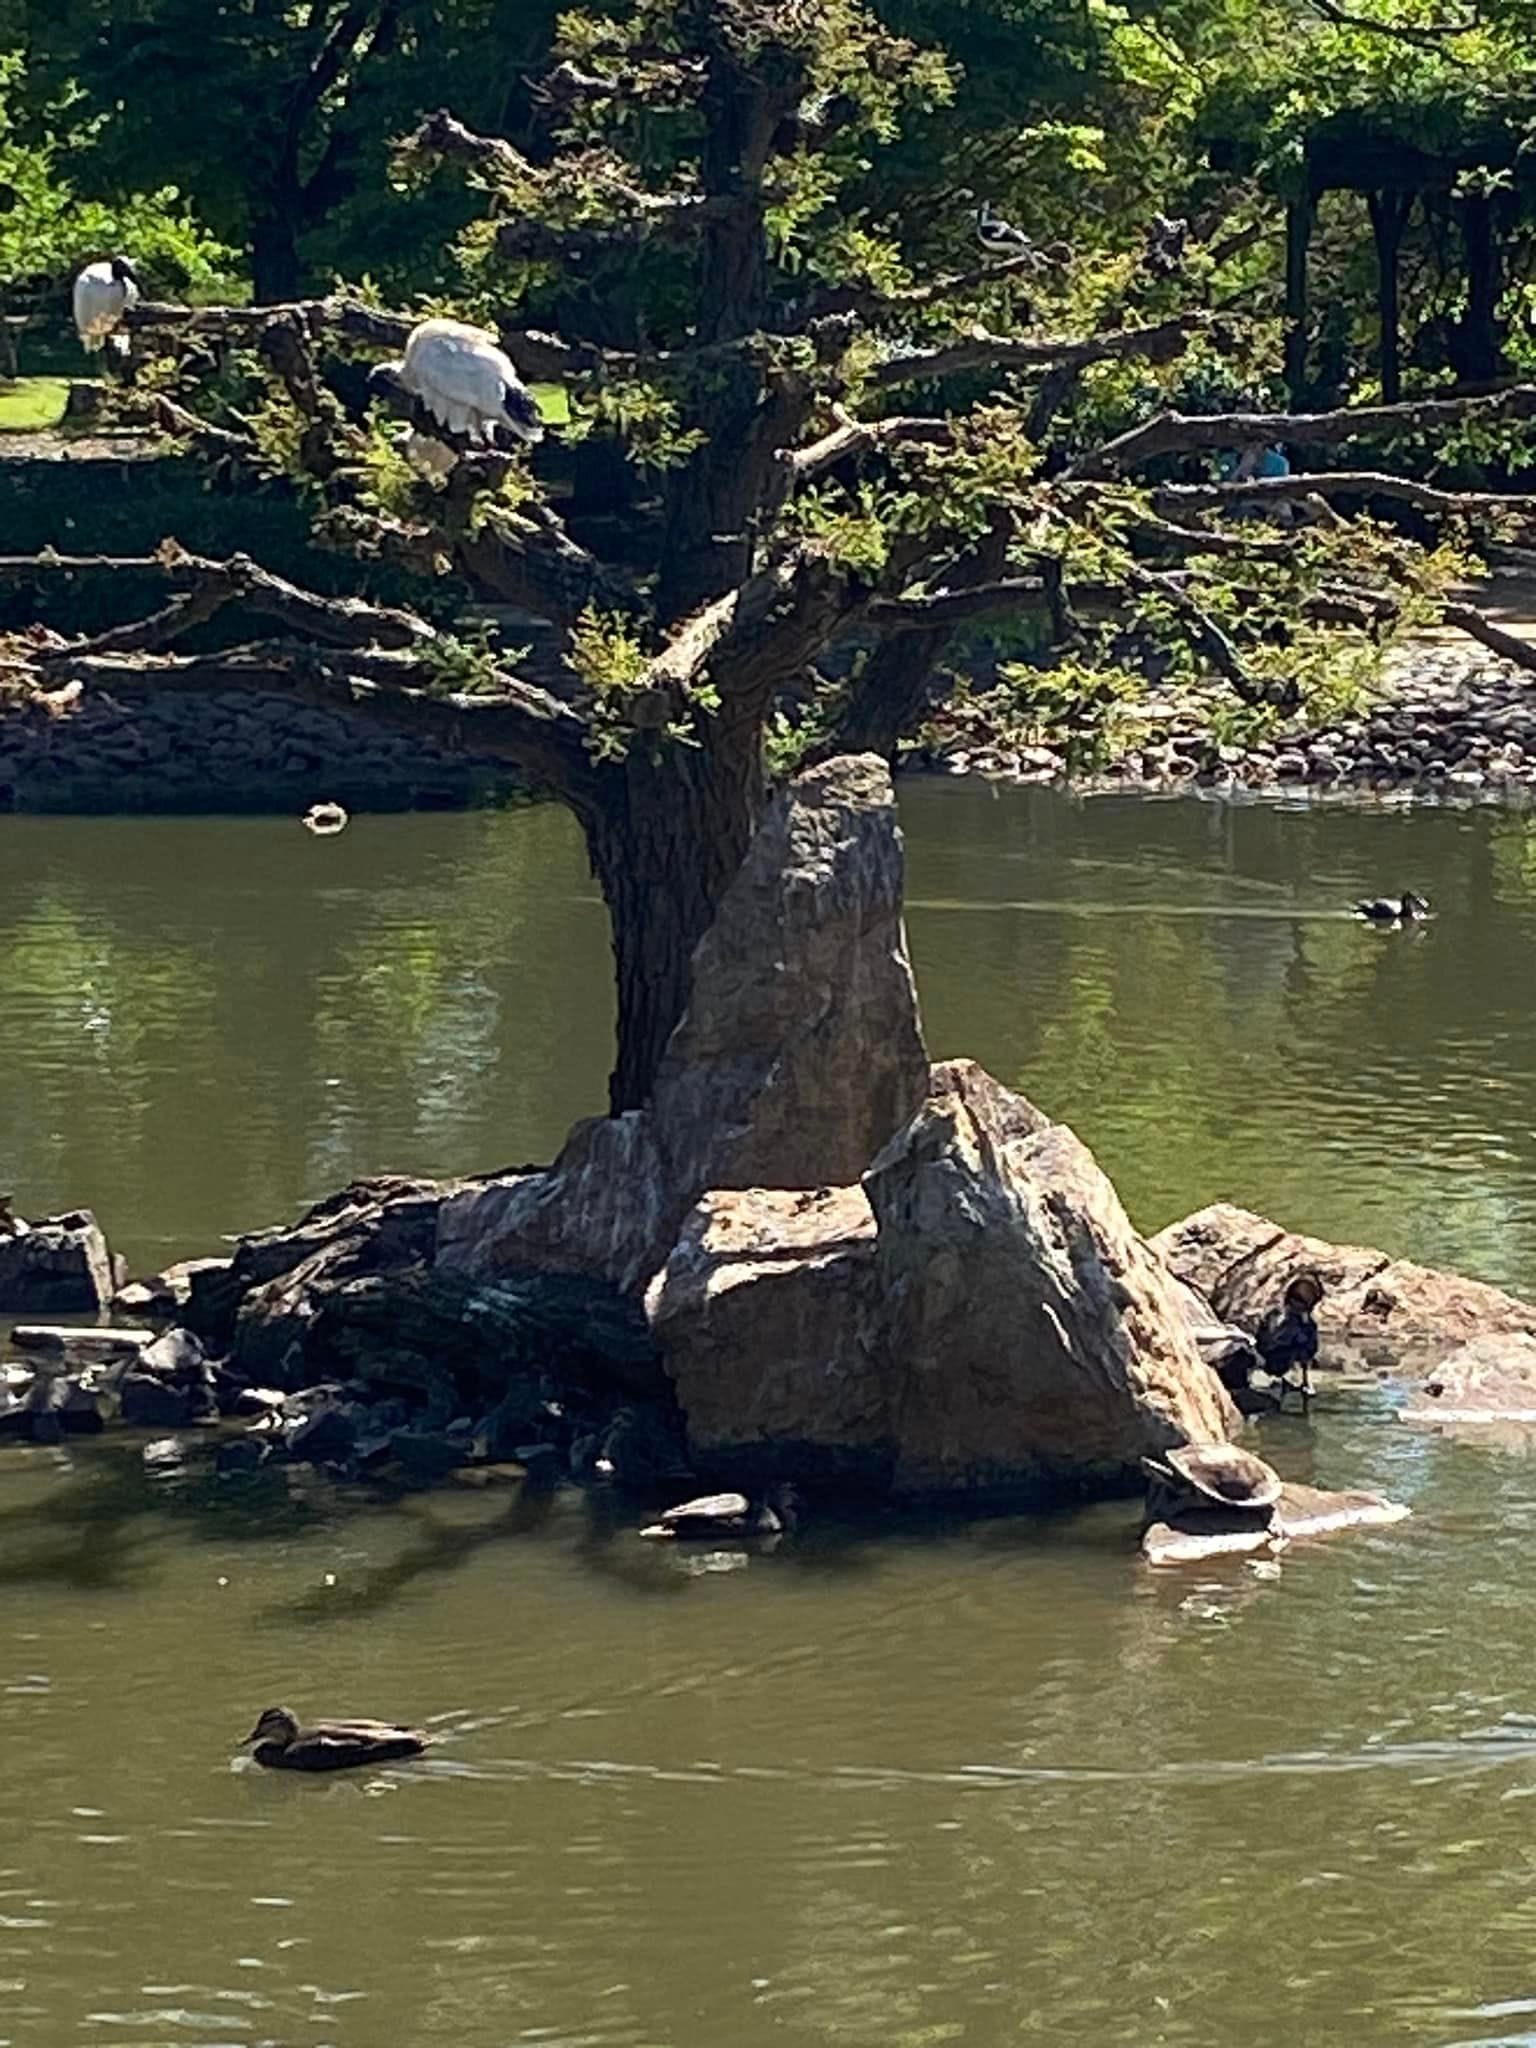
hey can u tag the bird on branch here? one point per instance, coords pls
(1000, 237)
(464, 380)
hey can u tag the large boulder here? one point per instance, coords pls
(59, 1265)
(1035, 1339)
(1380, 1313)
(801, 1052)
(769, 1318)
(799, 1056)
(980, 1315)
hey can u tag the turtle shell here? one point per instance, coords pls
(1237, 1479)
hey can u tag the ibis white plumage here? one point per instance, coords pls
(464, 381)
(103, 293)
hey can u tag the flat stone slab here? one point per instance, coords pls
(1303, 1511)
(75, 1346)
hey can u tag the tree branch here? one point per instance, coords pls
(852, 438)
(1158, 344)
(1480, 627)
(519, 723)
(341, 621)
(1327, 484)
(1173, 433)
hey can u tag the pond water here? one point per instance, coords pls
(939, 1782)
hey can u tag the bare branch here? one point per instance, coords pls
(958, 607)
(1174, 433)
(1203, 633)
(853, 438)
(1335, 483)
(519, 723)
(1428, 36)
(341, 621)
(1158, 344)
(1480, 627)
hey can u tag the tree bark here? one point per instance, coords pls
(665, 841)
(1298, 234)
(277, 275)
(1479, 356)
(1389, 216)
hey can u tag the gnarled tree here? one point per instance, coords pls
(844, 436)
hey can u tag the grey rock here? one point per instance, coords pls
(60, 1265)
(799, 1055)
(327, 1435)
(151, 1403)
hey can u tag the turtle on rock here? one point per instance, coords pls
(1224, 1496)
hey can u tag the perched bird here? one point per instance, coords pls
(324, 820)
(103, 293)
(282, 1745)
(464, 381)
(1000, 237)
(1404, 909)
(1287, 1336)
(714, 1515)
(1163, 251)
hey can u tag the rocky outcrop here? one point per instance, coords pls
(60, 1265)
(799, 1056)
(1380, 1313)
(769, 1316)
(1033, 1336)
(1482, 1391)
(981, 1315)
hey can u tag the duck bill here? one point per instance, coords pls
(247, 1740)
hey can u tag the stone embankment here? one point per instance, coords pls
(228, 751)
(1451, 723)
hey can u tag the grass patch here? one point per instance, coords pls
(32, 404)
(553, 403)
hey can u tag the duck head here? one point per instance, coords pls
(275, 1725)
(1414, 905)
(1304, 1292)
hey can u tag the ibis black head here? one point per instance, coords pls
(522, 414)
(124, 272)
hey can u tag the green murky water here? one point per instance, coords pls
(983, 1784)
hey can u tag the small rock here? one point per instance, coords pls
(60, 1265)
(328, 1436)
(151, 1403)
(82, 1346)
(1291, 765)
(427, 1455)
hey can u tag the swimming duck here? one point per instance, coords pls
(714, 1515)
(324, 820)
(282, 1745)
(1404, 909)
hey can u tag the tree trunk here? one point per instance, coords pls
(1389, 216)
(665, 841)
(277, 275)
(1479, 356)
(1298, 233)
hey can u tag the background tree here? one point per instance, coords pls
(279, 117)
(848, 431)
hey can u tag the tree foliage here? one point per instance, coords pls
(831, 429)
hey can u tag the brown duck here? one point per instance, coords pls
(282, 1745)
